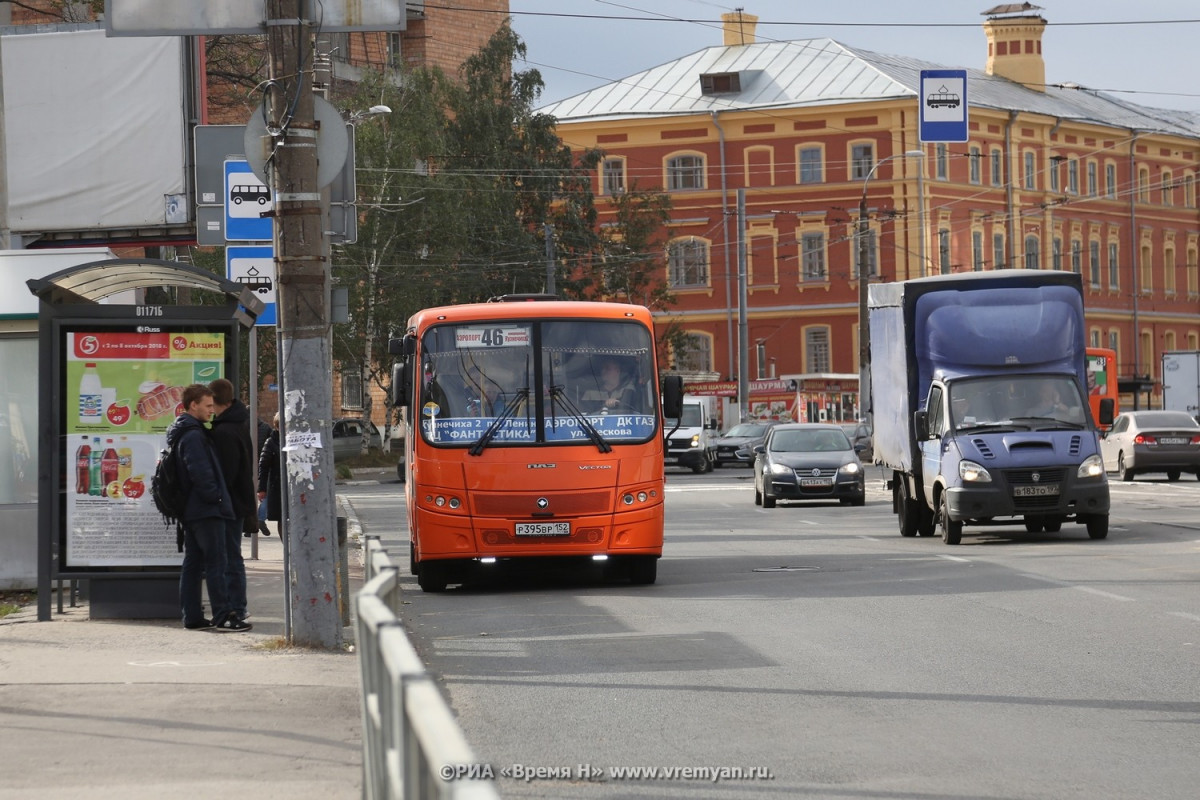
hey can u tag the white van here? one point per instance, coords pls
(692, 444)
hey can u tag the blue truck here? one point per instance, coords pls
(979, 402)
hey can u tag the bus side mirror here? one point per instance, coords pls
(672, 391)
(1106, 411)
(404, 346)
(401, 383)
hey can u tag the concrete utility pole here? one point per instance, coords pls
(305, 356)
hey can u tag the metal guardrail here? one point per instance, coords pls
(410, 737)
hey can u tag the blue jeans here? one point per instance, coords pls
(203, 561)
(235, 566)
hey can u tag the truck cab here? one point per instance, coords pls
(691, 437)
(1011, 445)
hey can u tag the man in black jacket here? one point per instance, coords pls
(205, 515)
(235, 452)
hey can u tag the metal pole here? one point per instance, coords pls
(921, 211)
(864, 332)
(5, 231)
(255, 444)
(304, 333)
(743, 327)
(549, 230)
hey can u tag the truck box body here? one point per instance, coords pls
(998, 338)
(1181, 381)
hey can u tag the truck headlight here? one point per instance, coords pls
(971, 472)
(695, 440)
(1092, 467)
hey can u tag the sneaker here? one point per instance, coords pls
(231, 624)
(199, 625)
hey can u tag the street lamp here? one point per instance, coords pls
(864, 325)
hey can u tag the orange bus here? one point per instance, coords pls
(534, 431)
(1102, 381)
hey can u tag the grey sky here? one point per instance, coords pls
(1150, 64)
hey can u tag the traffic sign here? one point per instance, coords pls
(246, 199)
(943, 99)
(254, 266)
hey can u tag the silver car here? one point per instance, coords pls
(1152, 441)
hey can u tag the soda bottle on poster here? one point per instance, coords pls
(91, 397)
(95, 487)
(108, 466)
(124, 462)
(83, 466)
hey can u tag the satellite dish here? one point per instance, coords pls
(333, 142)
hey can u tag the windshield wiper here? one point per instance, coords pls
(557, 393)
(493, 429)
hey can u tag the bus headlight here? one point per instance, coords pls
(971, 472)
(1092, 467)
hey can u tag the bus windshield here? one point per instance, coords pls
(532, 382)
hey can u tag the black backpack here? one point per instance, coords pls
(166, 489)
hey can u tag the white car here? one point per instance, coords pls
(1152, 441)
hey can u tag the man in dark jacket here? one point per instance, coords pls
(205, 514)
(235, 452)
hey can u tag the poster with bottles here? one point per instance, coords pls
(123, 389)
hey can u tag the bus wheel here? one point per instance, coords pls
(431, 577)
(643, 570)
(412, 559)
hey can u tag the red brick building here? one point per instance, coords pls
(1052, 177)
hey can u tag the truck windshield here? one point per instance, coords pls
(692, 417)
(546, 381)
(1036, 400)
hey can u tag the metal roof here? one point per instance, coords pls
(89, 283)
(817, 72)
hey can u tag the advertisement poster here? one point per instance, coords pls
(123, 390)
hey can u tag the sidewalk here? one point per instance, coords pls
(144, 709)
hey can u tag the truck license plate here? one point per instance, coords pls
(543, 529)
(1035, 491)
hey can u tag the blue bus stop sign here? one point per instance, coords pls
(246, 198)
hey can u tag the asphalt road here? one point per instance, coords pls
(823, 655)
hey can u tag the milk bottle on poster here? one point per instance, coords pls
(91, 397)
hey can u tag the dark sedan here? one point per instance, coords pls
(1152, 441)
(736, 445)
(807, 461)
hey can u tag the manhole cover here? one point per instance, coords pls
(786, 569)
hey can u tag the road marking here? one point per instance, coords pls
(869, 538)
(956, 558)
(1102, 593)
(1185, 615)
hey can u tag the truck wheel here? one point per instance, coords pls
(1053, 524)
(926, 519)
(643, 570)
(1033, 523)
(951, 530)
(431, 576)
(1097, 527)
(710, 462)
(1173, 474)
(906, 508)
(1126, 474)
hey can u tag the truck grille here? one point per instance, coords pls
(1025, 475)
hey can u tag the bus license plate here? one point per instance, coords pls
(543, 529)
(1034, 491)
